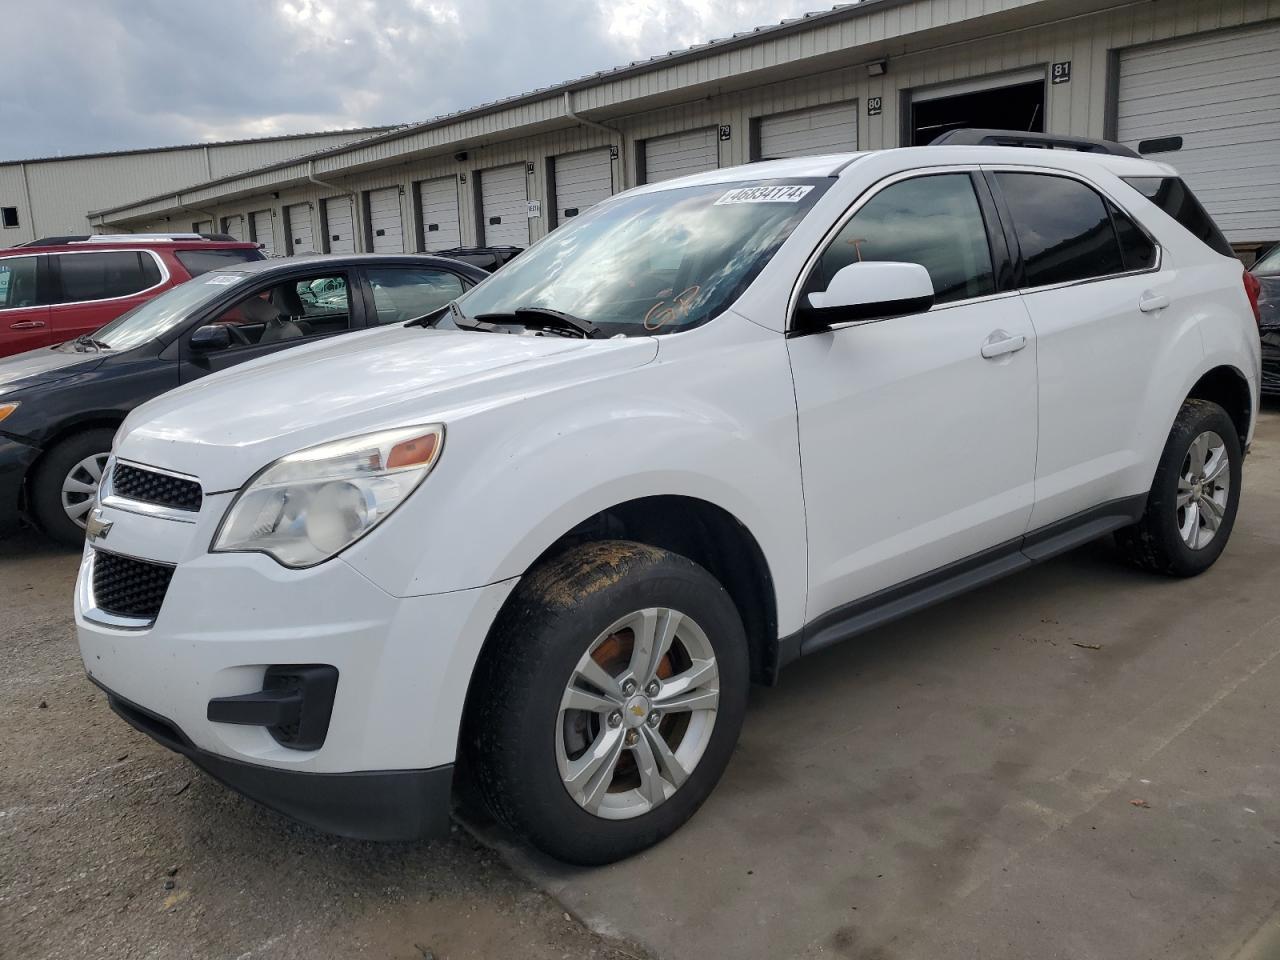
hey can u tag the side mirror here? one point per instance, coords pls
(874, 290)
(210, 338)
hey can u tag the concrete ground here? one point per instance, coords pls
(1078, 762)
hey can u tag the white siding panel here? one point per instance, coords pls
(339, 226)
(829, 129)
(438, 208)
(582, 180)
(301, 236)
(260, 224)
(504, 205)
(386, 228)
(1221, 94)
(680, 154)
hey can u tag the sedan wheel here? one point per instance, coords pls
(80, 487)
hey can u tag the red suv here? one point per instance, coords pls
(60, 288)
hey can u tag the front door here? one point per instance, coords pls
(917, 451)
(24, 309)
(285, 314)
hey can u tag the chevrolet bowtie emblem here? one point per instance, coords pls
(96, 529)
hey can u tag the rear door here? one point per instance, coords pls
(93, 287)
(24, 304)
(276, 316)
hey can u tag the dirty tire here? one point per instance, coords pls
(45, 490)
(1154, 543)
(547, 625)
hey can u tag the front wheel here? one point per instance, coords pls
(1191, 509)
(64, 487)
(609, 700)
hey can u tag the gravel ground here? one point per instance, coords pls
(111, 846)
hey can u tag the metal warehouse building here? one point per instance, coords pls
(1193, 82)
(53, 196)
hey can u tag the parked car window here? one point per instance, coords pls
(1268, 264)
(102, 276)
(198, 262)
(934, 221)
(161, 314)
(18, 283)
(652, 263)
(1136, 248)
(291, 310)
(1175, 198)
(1063, 227)
(401, 294)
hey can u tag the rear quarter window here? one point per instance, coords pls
(1175, 198)
(197, 262)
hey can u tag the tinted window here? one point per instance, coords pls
(197, 262)
(933, 221)
(18, 282)
(1175, 198)
(292, 310)
(1136, 249)
(404, 294)
(101, 276)
(1063, 227)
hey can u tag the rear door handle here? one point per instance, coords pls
(1000, 343)
(1151, 302)
(27, 325)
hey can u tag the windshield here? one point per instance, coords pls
(160, 314)
(656, 262)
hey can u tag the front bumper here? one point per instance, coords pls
(368, 805)
(15, 460)
(403, 663)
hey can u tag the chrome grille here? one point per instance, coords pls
(149, 486)
(129, 588)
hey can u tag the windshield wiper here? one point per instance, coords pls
(545, 318)
(87, 341)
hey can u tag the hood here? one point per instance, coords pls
(226, 427)
(44, 365)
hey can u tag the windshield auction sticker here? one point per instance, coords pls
(222, 279)
(791, 193)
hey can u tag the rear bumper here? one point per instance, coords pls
(15, 460)
(368, 805)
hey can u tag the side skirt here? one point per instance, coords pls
(892, 603)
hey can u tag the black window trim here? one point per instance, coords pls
(55, 270)
(811, 263)
(990, 170)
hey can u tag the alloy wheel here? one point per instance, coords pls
(80, 487)
(1204, 486)
(637, 713)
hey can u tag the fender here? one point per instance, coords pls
(714, 414)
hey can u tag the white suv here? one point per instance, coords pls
(708, 427)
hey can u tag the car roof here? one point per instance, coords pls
(120, 244)
(284, 264)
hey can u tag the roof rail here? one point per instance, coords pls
(973, 137)
(137, 237)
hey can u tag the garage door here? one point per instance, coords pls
(1221, 95)
(438, 209)
(338, 228)
(202, 226)
(385, 229)
(301, 238)
(803, 133)
(234, 226)
(504, 206)
(582, 180)
(680, 154)
(260, 221)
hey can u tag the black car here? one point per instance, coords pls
(1267, 270)
(60, 406)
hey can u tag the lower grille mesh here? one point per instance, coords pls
(127, 587)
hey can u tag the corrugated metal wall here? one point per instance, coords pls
(1082, 106)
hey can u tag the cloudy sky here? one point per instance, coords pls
(92, 75)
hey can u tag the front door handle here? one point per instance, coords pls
(1000, 343)
(27, 325)
(1151, 302)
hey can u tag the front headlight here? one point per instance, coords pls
(308, 506)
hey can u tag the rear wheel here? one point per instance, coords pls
(609, 700)
(64, 487)
(1191, 509)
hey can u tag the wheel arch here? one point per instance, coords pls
(1226, 386)
(64, 431)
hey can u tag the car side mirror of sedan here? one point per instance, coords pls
(210, 338)
(873, 290)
